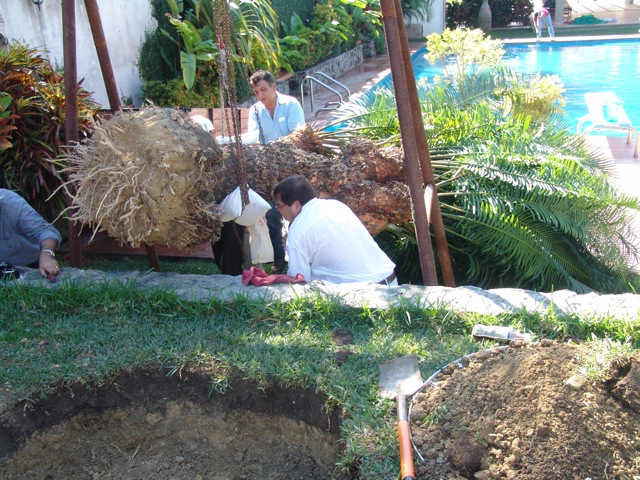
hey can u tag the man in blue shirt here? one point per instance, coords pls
(273, 116)
(25, 237)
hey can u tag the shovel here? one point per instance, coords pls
(400, 378)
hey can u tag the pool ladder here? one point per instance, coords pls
(311, 78)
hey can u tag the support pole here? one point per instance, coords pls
(434, 214)
(409, 134)
(93, 12)
(71, 112)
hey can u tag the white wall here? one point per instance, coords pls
(123, 21)
(437, 23)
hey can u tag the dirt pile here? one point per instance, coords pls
(527, 413)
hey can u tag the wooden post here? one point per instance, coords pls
(93, 13)
(434, 214)
(71, 112)
(408, 134)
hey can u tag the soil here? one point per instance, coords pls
(525, 412)
(517, 412)
(145, 425)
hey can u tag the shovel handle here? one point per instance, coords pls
(404, 441)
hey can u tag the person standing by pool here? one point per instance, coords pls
(541, 14)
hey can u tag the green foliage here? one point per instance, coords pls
(253, 28)
(174, 94)
(287, 8)
(421, 10)
(329, 33)
(5, 118)
(32, 127)
(300, 46)
(504, 13)
(462, 52)
(185, 44)
(366, 21)
(525, 202)
(349, 36)
(159, 57)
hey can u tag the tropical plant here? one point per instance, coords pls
(463, 51)
(525, 202)
(253, 29)
(366, 20)
(421, 10)
(5, 118)
(159, 57)
(174, 94)
(32, 126)
(299, 46)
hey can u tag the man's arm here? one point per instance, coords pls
(252, 134)
(298, 263)
(33, 226)
(295, 116)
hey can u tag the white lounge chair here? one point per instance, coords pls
(606, 113)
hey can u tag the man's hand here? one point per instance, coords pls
(49, 267)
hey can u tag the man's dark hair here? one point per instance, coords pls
(262, 75)
(294, 188)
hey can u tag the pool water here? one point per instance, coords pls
(589, 66)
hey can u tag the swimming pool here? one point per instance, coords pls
(586, 66)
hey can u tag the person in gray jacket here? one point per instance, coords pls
(27, 239)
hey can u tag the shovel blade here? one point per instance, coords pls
(400, 376)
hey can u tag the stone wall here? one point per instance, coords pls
(334, 67)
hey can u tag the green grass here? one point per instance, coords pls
(194, 266)
(88, 334)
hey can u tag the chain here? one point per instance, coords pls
(228, 87)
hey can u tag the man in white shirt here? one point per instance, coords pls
(273, 116)
(326, 240)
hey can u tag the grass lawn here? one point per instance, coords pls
(88, 334)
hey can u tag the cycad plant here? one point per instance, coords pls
(253, 27)
(525, 202)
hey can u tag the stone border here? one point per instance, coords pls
(461, 299)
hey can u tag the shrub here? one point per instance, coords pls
(504, 12)
(33, 127)
(173, 93)
(159, 57)
(286, 9)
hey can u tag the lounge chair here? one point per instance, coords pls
(607, 113)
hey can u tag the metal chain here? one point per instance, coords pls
(228, 86)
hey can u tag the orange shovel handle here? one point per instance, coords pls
(406, 452)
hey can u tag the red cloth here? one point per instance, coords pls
(258, 277)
